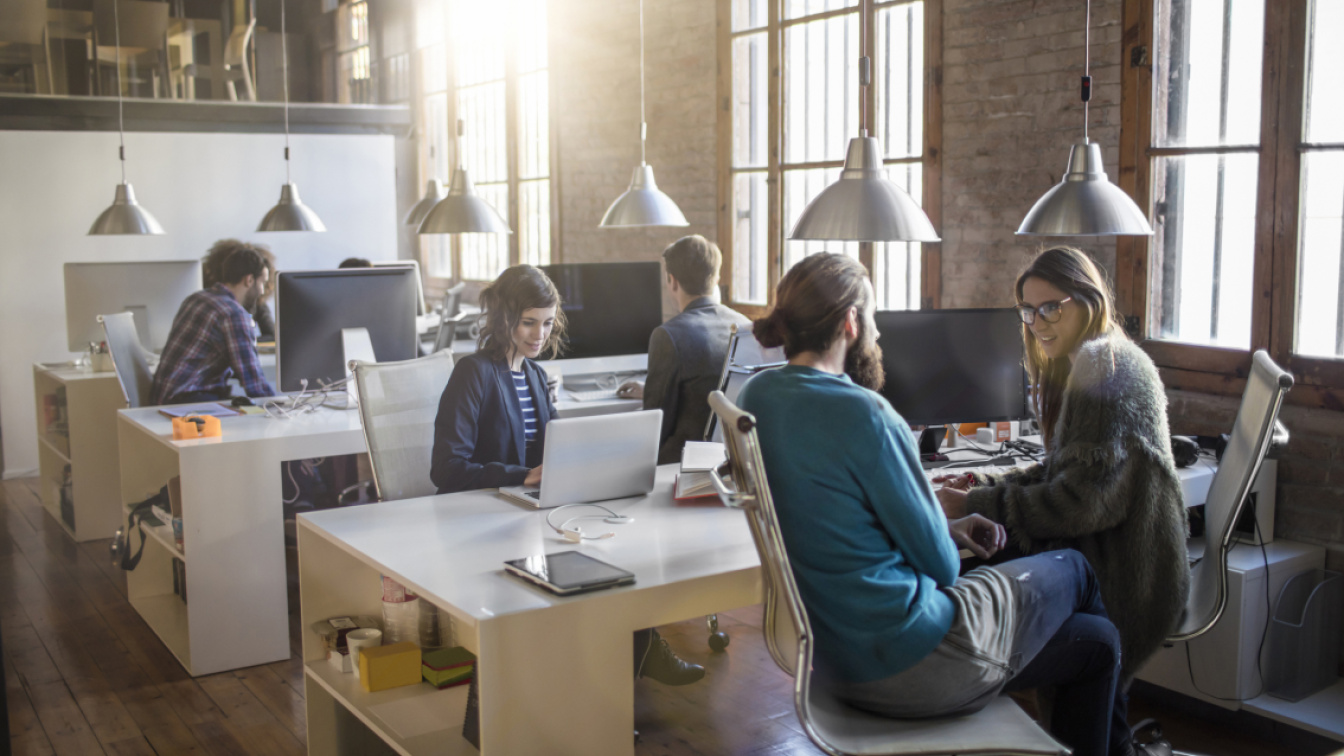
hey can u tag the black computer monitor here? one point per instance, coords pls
(611, 308)
(313, 306)
(952, 366)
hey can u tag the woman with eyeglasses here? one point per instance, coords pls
(1107, 485)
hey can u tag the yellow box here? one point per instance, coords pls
(384, 667)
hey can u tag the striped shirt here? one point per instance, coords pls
(525, 400)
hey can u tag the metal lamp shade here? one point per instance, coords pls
(1085, 203)
(434, 194)
(643, 205)
(125, 216)
(462, 212)
(864, 205)
(290, 214)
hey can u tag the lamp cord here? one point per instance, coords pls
(284, 64)
(1087, 66)
(643, 124)
(121, 121)
(865, 66)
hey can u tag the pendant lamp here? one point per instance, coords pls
(864, 205)
(642, 204)
(125, 215)
(462, 211)
(289, 214)
(1085, 202)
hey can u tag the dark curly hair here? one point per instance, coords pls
(503, 302)
(213, 269)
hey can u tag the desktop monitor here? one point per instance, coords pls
(313, 306)
(951, 366)
(151, 291)
(610, 308)
(421, 309)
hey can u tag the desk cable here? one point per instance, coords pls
(576, 534)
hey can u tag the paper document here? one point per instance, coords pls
(702, 456)
(208, 408)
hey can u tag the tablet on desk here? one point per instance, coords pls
(568, 572)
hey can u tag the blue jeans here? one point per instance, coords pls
(1069, 643)
(1031, 622)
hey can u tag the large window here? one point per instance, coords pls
(1239, 152)
(485, 65)
(789, 132)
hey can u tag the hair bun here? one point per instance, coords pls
(768, 330)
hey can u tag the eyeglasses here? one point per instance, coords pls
(1050, 312)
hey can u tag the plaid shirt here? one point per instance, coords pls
(212, 340)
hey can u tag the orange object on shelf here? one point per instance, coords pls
(196, 426)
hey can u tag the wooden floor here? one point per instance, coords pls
(84, 675)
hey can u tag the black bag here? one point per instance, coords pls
(120, 547)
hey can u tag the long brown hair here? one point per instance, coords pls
(1072, 272)
(503, 302)
(812, 302)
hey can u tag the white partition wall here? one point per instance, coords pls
(201, 187)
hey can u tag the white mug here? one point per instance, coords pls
(364, 637)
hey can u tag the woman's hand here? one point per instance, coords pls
(981, 535)
(533, 478)
(959, 482)
(953, 502)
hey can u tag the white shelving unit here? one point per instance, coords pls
(77, 429)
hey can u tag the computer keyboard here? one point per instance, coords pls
(591, 396)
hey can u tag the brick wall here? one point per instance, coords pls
(595, 58)
(1011, 109)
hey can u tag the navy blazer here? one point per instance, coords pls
(479, 436)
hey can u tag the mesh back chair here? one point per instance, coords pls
(447, 330)
(1252, 434)
(836, 728)
(745, 358)
(397, 405)
(128, 358)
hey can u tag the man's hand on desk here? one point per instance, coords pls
(533, 477)
(982, 536)
(953, 501)
(631, 390)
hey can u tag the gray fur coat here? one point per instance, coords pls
(1108, 488)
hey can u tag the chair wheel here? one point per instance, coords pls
(718, 641)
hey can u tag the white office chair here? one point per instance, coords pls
(129, 359)
(447, 329)
(1255, 430)
(236, 67)
(836, 728)
(398, 402)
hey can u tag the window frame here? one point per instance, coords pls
(930, 160)
(512, 128)
(1210, 369)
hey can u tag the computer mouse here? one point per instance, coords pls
(241, 401)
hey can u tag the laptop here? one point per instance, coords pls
(595, 458)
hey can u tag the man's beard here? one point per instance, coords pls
(863, 362)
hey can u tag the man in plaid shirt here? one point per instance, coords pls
(213, 338)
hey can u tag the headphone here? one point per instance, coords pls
(575, 534)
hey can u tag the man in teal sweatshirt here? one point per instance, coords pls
(897, 632)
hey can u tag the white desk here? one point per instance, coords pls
(556, 674)
(237, 611)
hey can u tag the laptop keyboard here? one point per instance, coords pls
(534, 494)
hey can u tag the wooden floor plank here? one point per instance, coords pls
(261, 729)
(25, 731)
(62, 720)
(282, 701)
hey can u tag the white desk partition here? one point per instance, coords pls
(555, 674)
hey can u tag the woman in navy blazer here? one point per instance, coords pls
(481, 432)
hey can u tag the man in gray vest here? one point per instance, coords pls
(686, 353)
